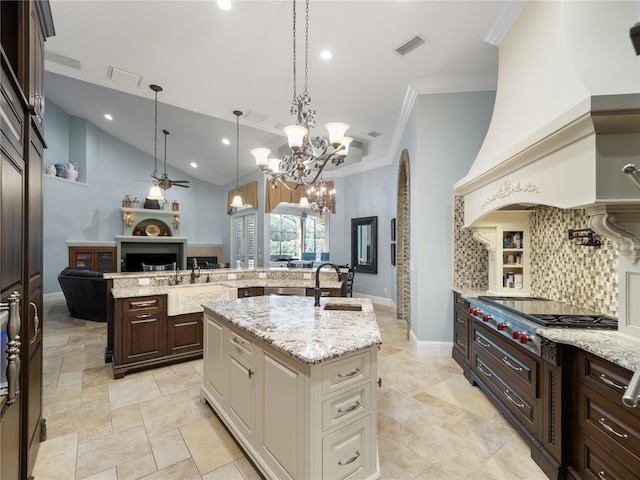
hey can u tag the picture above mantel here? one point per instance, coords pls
(145, 222)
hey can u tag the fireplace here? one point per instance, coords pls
(133, 261)
(133, 251)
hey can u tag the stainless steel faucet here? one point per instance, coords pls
(195, 267)
(316, 291)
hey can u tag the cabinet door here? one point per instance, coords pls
(81, 258)
(347, 453)
(144, 336)
(282, 417)
(242, 395)
(105, 260)
(214, 364)
(184, 333)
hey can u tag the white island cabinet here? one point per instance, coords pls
(296, 384)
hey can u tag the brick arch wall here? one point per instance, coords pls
(403, 241)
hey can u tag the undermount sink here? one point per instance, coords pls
(345, 307)
(189, 298)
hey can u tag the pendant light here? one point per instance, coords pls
(155, 193)
(237, 198)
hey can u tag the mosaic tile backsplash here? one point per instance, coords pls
(470, 257)
(561, 269)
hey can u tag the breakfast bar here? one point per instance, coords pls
(295, 384)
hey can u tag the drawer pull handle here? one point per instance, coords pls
(603, 422)
(239, 341)
(485, 345)
(459, 320)
(459, 342)
(486, 374)
(143, 315)
(251, 372)
(511, 365)
(351, 460)
(353, 372)
(506, 394)
(143, 304)
(601, 475)
(604, 378)
(350, 408)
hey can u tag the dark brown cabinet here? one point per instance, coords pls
(144, 336)
(25, 25)
(250, 292)
(325, 292)
(461, 323)
(96, 259)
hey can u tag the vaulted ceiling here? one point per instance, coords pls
(211, 61)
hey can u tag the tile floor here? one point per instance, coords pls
(432, 424)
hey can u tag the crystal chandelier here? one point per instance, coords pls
(319, 198)
(308, 157)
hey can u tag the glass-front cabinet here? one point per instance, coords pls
(96, 259)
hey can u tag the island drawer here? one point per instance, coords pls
(347, 452)
(345, 371)
(241, 344)
(342, 407)
(143, 304)
(603, 376)
(596, 462)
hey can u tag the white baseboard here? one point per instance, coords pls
(429, 348)
(387, 302)
(52, 297)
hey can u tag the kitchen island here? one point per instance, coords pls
(295, 384)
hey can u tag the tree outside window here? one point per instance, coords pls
(295, 235)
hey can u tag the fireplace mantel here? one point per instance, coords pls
(141, 217)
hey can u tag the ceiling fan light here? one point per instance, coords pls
(237, 201)
(261, 154)
(295, 135)
(304, 202)
(336, 132)
(155, 193)
(344, 151)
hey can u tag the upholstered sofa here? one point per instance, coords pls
(86, 293)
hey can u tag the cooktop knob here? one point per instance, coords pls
(486, 318)
(523, 338)
(515, 334)
(501, 325)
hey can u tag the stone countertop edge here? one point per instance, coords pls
(293, 326)
(610, 345)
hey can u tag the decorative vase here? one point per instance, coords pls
(61, 170)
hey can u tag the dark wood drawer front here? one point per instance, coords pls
(595, 463)
(517, 368)
(460, 341)
(461, 319)
(517, 403)
(615, 428)
(460, 302)
(603, 376)
(12, 114)
(144, 304)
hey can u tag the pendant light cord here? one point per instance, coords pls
(237, 150)
(155, 138)
(294, 52)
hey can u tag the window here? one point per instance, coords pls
(298, 235)
(243, 241)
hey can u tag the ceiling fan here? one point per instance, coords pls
(163, 181)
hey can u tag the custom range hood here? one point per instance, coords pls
(566, 118)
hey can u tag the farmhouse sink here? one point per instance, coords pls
(189, 298)
(345, 307)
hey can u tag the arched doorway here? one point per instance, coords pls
(403, 242)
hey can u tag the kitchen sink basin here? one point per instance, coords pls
(189, 298)
(345, 307)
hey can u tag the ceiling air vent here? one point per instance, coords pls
(411, 44)
(256, 117)
(374, 134)
(123, 77)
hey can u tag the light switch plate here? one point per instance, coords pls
(144, 281)
(231, 276)
(262, 275)
(307, 276)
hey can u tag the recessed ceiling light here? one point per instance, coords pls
(224, 4)
(194, 165)
(108, 116)
(326, 54)
(226, 141)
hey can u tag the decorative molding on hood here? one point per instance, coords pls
(621, 225)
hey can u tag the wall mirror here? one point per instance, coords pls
(364, 244)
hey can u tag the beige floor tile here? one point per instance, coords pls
(399, 406)
(166, 413)
(179, 382)
(55, 340)
(125, 418)
(137, 468)
(57, 458)
(458, 391)
(226, 472)
(513, 464)
(389, 470)
(247, 469)
(484, 432)
(132, 389)
(111, 451)
(401, 456)
(63, 350)
(109, 474)
(435, 473)
(87, 420)
(96, 394)
(385, 423)
(168, 448)
(185, 470)
(80, 361)
(98, 375)
(210, 445)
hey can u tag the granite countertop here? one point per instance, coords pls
(296, 328)
(610, 345)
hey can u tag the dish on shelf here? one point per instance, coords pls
(152, 230)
